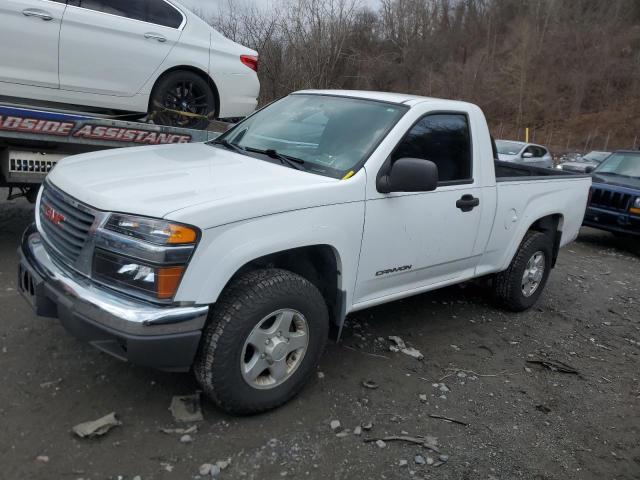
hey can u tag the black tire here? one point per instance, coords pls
(182, 91)
(508, 290)
(240, 308)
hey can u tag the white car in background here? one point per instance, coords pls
(524, 153)
(140, 56)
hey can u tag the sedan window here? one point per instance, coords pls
(121, 8)
(158, 12)
(161, 13)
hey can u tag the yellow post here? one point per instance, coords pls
(526, 135)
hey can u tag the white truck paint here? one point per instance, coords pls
(386, 246)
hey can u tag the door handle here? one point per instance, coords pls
(155, 36)
(32, 12)
(467, 203)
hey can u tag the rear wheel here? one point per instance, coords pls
(182, 99)
(520, 285)
(265, 337)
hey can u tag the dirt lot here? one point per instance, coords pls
(524, 421)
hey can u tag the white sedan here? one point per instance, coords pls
(141, 56)
(524, 153)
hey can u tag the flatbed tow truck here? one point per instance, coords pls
(33, 140)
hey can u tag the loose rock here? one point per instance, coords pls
(205, 469)
(336, 426)
(420, 460)
(370, 384)
(186, 439)
(381, 443)
(186, 408)
(357, 431)
(98, 427)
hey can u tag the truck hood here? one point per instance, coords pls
(618, 181)
(578, 166)
(188, 182)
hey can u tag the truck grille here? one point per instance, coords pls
(610, 200)
(65, 224)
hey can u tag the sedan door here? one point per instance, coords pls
(113, 47)
(29, 35)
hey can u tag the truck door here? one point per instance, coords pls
(412, 240)
(29, 35)
(113, 47)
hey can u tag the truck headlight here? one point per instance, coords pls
(635, 206)
(144, 257)
(138, 277)
(151, 230)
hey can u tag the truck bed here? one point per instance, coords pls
(509, 171)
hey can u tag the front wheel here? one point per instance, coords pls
(182, 99)
(520, 285)
(264, 339)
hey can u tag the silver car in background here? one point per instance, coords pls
(584, 163)
(524, 153)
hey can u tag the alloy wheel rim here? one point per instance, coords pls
(274, 349)
(533, 273)
(186, 97)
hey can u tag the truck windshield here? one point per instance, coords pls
(625, 164)
(328, 135)
(508, 148)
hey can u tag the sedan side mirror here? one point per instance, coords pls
(589, 169)
(527, 155)
(409, 175)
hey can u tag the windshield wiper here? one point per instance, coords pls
(229, 146)
(288, 160)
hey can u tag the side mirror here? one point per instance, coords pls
(409, 175)
(589, 169)
(527, 155)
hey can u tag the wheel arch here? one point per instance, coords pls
(320, 264)
(197, 71)
(550, 225)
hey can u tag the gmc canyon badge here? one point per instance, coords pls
(393, 270)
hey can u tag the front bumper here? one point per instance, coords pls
(166, 338)
(612, 221)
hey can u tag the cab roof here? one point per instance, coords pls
(399, 98)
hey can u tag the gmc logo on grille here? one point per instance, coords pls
(53, 216)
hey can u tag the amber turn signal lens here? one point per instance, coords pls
(181, 234)
(167, 281)
(635, 211)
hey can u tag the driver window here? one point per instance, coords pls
(444, 139)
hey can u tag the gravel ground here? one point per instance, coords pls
(524, 420)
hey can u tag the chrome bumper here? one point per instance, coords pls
(97, 304)
(166, 338)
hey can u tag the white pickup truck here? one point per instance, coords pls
(236, 257)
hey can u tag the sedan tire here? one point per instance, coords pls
(182, 99)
